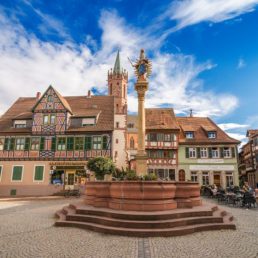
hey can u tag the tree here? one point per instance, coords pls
(101, 166)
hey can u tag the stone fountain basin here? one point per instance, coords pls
(142, 195)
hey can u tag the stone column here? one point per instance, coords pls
(141, 158)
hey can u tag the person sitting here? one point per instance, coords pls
(214, 190)
(246, 187)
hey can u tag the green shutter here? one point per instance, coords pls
(187, 152)
(70, 143)
(233, 152)
(42, 143)
(39, 170)
(27, 144)
(17, 173)
(198, 152)
(12, 143)
(88, 143)
(210, 152)
(104, 142)
(53, 144)
(222, 152)
(6, 143)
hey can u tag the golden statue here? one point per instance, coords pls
(142, 67)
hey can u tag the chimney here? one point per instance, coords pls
(89, 94)
(38, 95)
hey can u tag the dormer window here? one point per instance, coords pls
(211, 135)
(88, 121)
(189, 135)
(20, 124)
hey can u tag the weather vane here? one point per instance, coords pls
(142, 67)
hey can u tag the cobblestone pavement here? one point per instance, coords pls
(26, 230)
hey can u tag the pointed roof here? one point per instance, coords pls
(117, 66)
(61, 98)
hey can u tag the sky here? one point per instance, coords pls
(204, 53)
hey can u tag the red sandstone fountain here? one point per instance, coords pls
(143, 208)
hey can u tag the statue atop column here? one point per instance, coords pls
(142, 67)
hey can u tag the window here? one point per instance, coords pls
(167, 137)
(88, 143)
(214, 153)
(153, 137)
(229, 179)
(211, 135)
(52, 119)
(50, 98)
(20, 143)
(1, 169)
(97, 142)
(38, 173)
(20, 123)
(117, 124)
(1, 144)
(61, 143)
(105, 143)
(79, 143)
(192, 152)
(88, 121)
(160, 137)
(226, 152)
(9, 143)
(70, 143)
(172, 174)
(189, 135)
(194, 177)
(130, 125)
(45, 119)
(117, 140)
(205, 178)
(204, 152)
(17, 173)
(35, 143)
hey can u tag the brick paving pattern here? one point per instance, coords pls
(26, 230)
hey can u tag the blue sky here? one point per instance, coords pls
(204, 52)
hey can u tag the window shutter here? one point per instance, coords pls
(6, 143)
(233, 152)
(17, 173)
(187, 152)
(88, 143)
(27, 144)
(210, 152)
(222, 152)
(104, 142)
(198, 152)
(12, 143)
(42, 144)
(70, 143)
(53, 144)
(38, 176)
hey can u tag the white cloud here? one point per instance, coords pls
(29, 65)
(189, 12)
(241, 63)
(231, 126)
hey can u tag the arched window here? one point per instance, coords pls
(181, 175)
(131, 143)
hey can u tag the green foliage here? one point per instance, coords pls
(150, 177)
(101, 166)
(119, 174)
(131, 175)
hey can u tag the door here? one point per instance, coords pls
(181, 175)
(70, 180)
(216, 180)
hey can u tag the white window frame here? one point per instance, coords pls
(202, 151)
(45, 122)
(2, 145)
(194, 174)
(12, 173)
(206, 175)
(36, 149)
(187, 135)
(39, 165)
(2, 168)
(213, 151)
(229, 175)
(212, 135)
(86, 121)
(101, 141)
(228, 151)
(63, 146)
(20, 138)
(191, 152)
(50, 119)
(20, 123)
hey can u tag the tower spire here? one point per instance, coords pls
(117, 66)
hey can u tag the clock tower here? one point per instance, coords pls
(117, 86)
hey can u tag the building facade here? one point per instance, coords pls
(45, 141)
(248, 160)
